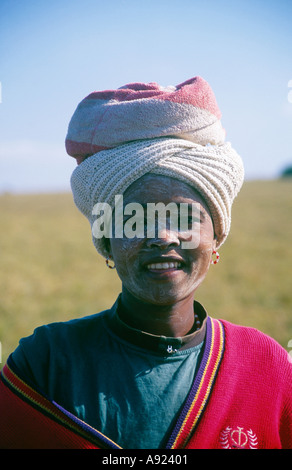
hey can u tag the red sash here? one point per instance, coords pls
(28, 420)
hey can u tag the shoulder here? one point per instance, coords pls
(251, 339)
(77, 328)
(57, 340)
(248, 344)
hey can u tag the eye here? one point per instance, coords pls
(193, 219)
(188, 220)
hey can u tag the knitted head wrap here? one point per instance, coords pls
(118, 136)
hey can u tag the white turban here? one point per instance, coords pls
(118, 136)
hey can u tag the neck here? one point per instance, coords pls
(174, 320)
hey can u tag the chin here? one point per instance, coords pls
(162, 297)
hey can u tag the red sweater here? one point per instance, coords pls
(250, 405)
(241, 398)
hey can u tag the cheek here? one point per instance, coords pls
(200, 258)
(124, 254)
(207, 241)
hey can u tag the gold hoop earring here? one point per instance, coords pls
(217, 257)
(107, 261)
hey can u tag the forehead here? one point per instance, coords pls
(160, 188)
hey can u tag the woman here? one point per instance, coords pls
(156, 181)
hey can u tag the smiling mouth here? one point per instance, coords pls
(164, 266)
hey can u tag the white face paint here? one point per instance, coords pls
(157, 269)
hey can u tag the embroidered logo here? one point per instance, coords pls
(238, 438)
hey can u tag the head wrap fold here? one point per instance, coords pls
(117, 136)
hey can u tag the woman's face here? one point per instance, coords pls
(163, 269)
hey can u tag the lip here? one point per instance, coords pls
(157, 266)
(163, 259)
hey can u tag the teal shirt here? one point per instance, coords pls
(100, 370)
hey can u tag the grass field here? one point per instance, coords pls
(50, 270)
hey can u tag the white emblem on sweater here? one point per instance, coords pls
(238, 438)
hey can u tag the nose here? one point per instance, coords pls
(164, 239)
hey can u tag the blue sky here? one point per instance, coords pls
(54, 53)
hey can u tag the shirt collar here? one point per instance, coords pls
(156, 343)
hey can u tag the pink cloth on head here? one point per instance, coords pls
(138, 111)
